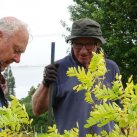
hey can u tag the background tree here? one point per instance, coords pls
(10, 81)
(39, 123)
(118, 20)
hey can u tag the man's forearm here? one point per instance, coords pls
(40, 100)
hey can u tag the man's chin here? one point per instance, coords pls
(84, 61)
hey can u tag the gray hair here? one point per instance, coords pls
(10, 25)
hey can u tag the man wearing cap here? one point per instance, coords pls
(70, 108)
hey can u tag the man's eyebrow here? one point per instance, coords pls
(19, 49)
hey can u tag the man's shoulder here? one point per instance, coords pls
(63, 60)
(112, 65)
(110, 62)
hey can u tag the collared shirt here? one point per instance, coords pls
(70, 107)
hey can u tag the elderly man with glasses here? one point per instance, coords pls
(70, 108)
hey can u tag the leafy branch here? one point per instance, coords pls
(14, 120)
(125, 118)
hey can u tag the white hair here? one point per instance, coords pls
(10, 25)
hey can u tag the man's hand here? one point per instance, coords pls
(50, 74)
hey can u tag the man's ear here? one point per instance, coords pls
(98, 49)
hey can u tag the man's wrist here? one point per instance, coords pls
(45, 83)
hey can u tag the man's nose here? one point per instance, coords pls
(83, 49)
(17, 58)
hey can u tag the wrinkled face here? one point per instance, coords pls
(83, 48)
(12, 48)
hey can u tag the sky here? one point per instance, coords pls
(43, 18)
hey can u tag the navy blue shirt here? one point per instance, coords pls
(69, 107)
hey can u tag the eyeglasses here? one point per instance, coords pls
(88, 46)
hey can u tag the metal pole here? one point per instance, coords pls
(51, 87)
(52, 52)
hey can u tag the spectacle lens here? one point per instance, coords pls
(88, 46)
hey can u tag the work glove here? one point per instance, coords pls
(50, 74)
